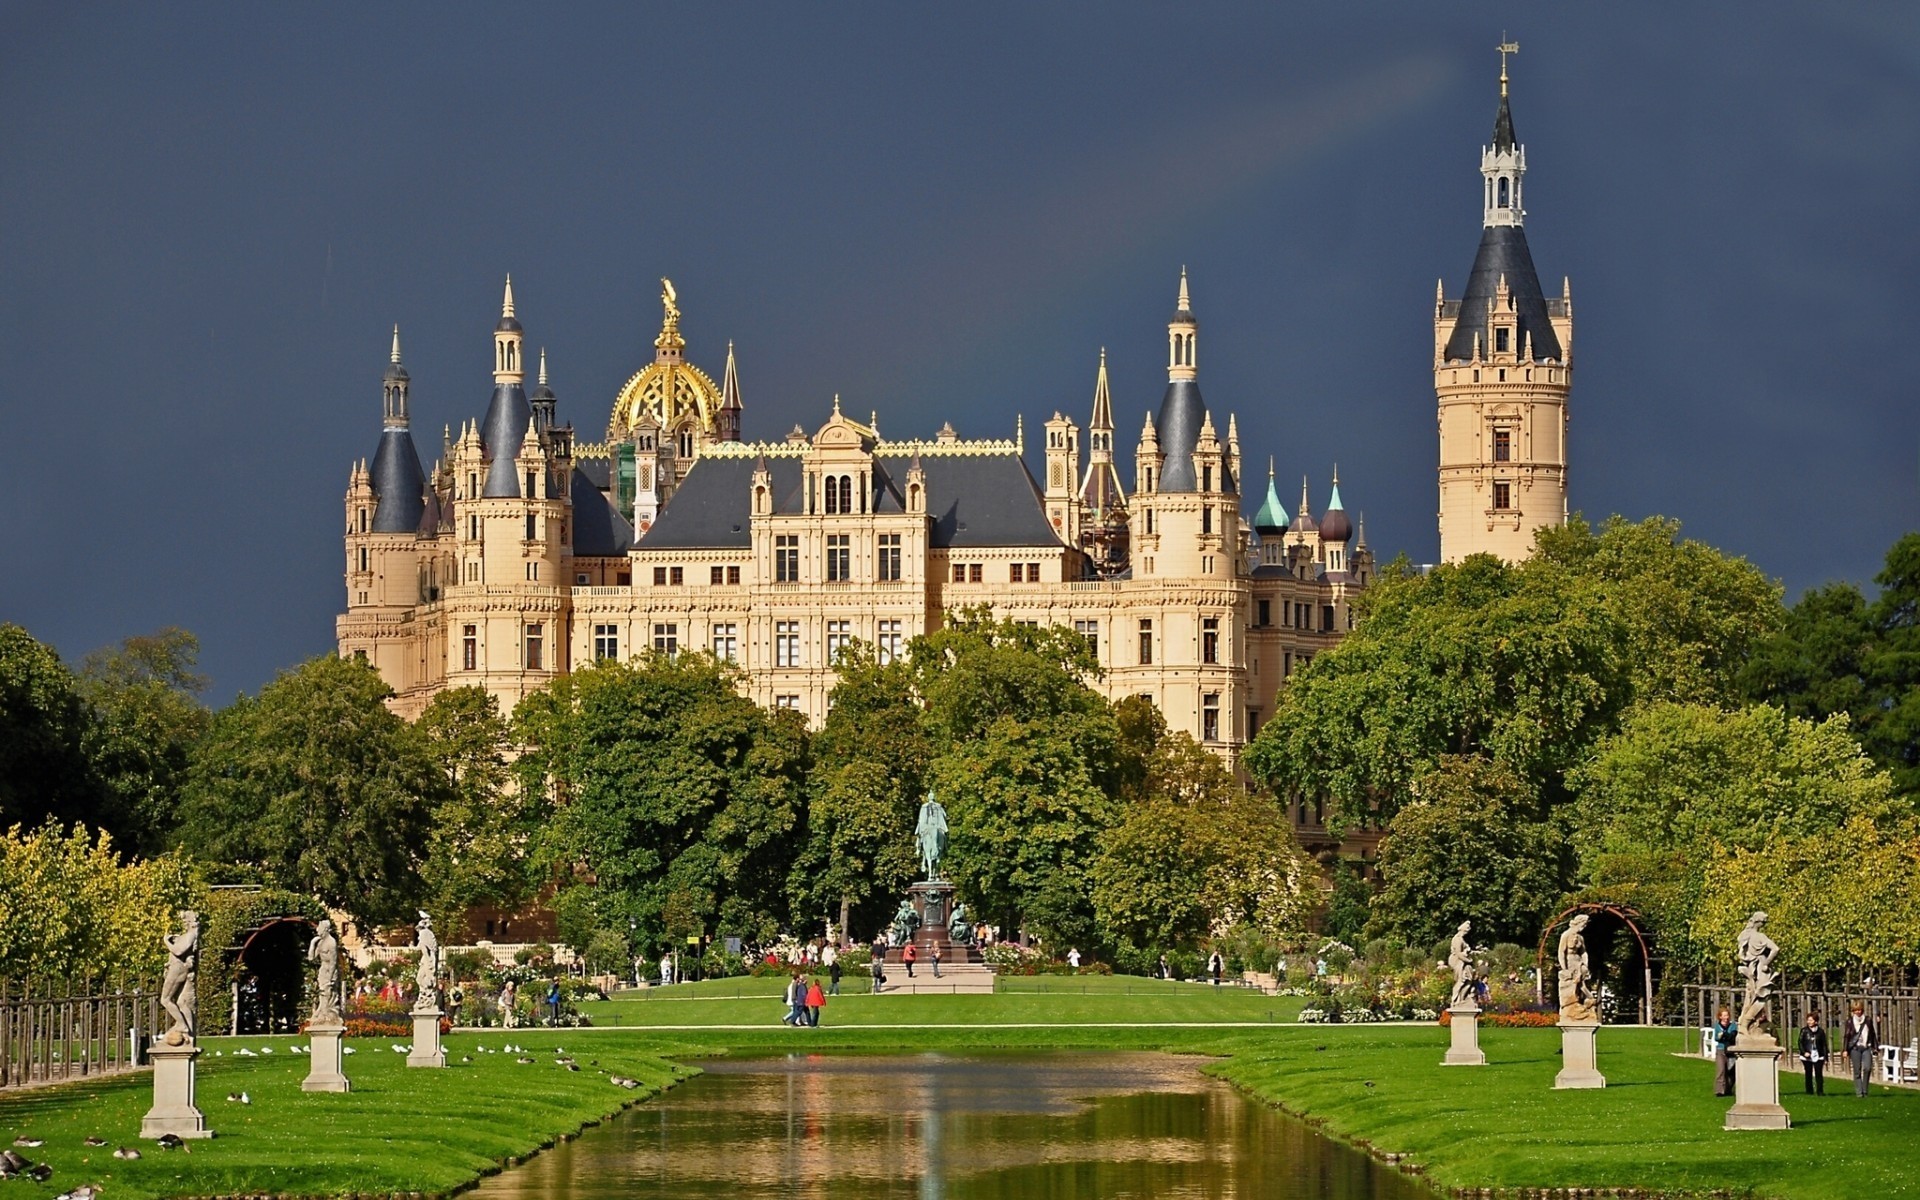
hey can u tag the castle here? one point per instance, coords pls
(525, 551)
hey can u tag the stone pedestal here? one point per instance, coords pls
(323, 1054)
(1756, 1085)
(1579, 1057)
(426, 1051)
(1464, 1020)
(933, 900)
(173, 1108)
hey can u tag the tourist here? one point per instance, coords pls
(1863, 1038)
(553, 1002)
(815, 1001)
(1813, 1055)
(1073, 958)
(1724, 1031)
(795, 998)
(1216, 966)
(666, 967)
(907, 955)
(833, 976)
(1166, 972)
(935, 951)
(878, 966)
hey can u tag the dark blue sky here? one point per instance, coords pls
(210, 217)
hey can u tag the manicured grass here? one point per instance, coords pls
(1059, 1000)
(398, 1130)
(1656, 1125)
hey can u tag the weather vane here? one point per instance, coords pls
(1506, 48)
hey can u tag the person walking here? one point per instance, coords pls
(816, 1000)
(1073, 958)
(1166, 972)
(795, 997)
(833, 976)
(666, 968)
(934, 950)
(553, 1002)
(1724, 1031)
(509, 993)
(1863, 1041)
(1215, 966)
(907, 955)
(1813, 1055)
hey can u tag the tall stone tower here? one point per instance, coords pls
(1502, 368)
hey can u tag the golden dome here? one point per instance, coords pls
(669, 388)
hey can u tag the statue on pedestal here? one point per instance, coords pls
(1757, 952)
(178, 992)
(324, 952)
(1466, 972)
(1576, 977)
(905, 921)
(930, 834)
(960, 925)
(426, 976)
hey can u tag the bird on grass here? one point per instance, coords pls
(239, 1098)
(96, 1141)
(29, 1142)
(126, 1152)
(523, 1060)
(85, 1191)
(39, 1172)
(11, 1164)
(170, 1141)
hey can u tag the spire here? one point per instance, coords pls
(1182, 332)
(543, 366)
(1334, 525)
(1272, 516)
(395, 476)
(1503, 139)
(396, 346)
(506, 300)
(1102, 422)
(507, 367)
(1334, 501)
(669, 346)
(730, 382)
(1185, 305)
(543, 398)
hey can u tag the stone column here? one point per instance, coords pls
(1464, 1020)
(1579, 1056)
(426, 1051)
(323, 1054)
(1756, 1085)
(173, 1108)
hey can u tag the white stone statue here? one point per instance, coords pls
(1757, 952)
(179, 994)
(324, 952)
(1576, 977)
(426, 976)
(1466, 975)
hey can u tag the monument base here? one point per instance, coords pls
(933, 901)
(173, 1110)
(323, 1053)
(1464, 1020)
(1579, 1056)
(427, 1051)
(1756, 1085)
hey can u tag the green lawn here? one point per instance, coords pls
(1656, 1126)
(1057, 1000)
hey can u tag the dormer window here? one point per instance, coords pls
(1501, 338)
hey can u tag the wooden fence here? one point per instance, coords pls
(1897, 1011)
(52, 1039)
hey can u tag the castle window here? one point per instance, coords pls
(1500, 341)
(1503, 495)
(666, 639)
(839, 558)
(533, 572)
(733, 575)
(726, 642)
(606, 642)
(1210, 639)
(1206, 479)
(1089, 630)
(1033, 572)
(531, 527)
(1265, 608)
(363, 558)
(1149, 520)
(786, 558)
(974, 572)
(1286, 663)
(1146, 642)
(792, 702)
(686, 443)
(677, 575)
(1502, 445)
(473, 528)
(473, 485)
(1210, 717)
(659, 577)
(363, 520)
(839, 637)
(536, 649)
(469, 647)
(1206, 520)
(1326, 618)
(786, 643)
(529, 491)
(888, 641)
(959, 572)
(1017, 572)
(1253, 722)
(889, 557)
(715, 575)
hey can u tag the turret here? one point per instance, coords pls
(1063, 473)
(726, 421)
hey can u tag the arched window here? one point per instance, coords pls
(1503, 191)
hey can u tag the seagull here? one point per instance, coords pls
(398, 1049)
(266, 1049)
(29, 1142)
(523, 1059)
(85, 1191)
(348, 1050)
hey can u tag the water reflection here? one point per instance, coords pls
(952, 1127)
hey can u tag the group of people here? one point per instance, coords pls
(804, 999)
(1859, 1039)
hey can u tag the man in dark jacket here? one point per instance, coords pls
(1862, 1034)
(1813, 1054)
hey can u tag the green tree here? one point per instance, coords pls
(44, 769)
(74, 914)
(480, 832)
(318, 787)
(680, 801)
(1470, 845)
(146, 718)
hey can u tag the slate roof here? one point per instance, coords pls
(1181, 413)
(504, 428)
(973, 500)
(1503, 138)
(1503, 253)
(399, 485)
(599, 531)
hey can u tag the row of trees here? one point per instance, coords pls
(1625, 716)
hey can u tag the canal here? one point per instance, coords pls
(1032, 1126)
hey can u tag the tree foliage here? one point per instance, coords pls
(480, 833)
(681, 799)
(318, 787)
(74, 914)
(44, 770)
(146, 719)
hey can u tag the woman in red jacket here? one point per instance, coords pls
(816, 1000)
